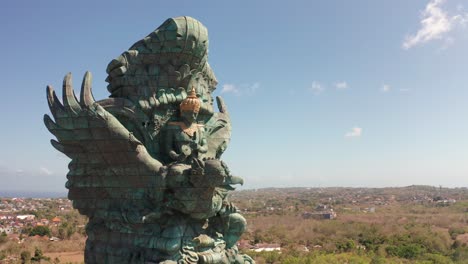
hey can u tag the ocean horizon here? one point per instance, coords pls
(32, 194)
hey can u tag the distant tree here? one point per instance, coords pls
(258, 236)
(66, 230)
(455, 231)
(378, 260)
(38, 256)
(345, 246)
(410, 251)
(26, 230)
(40, 230)
(371, 238)
(436, 258)
(460, 254)
(272, 257)
(25, 257)
(3, 237)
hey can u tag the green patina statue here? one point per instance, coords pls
(145, 163)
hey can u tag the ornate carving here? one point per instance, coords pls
(145, 163)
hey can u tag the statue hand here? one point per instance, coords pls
(228, 208)
(202, 149)
(180, 157)
(173, 155)
(203, 241)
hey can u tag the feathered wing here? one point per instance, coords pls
(218, 129)
(110, 169)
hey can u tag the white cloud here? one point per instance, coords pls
(243, 89)
(230, 88)
(19, 171)
(461, 19)
(316, 88)
(45, 171)
(436, 23)
(385, 88)
(404, 90)
(341, 85)
(355, 132)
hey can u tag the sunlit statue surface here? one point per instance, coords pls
(145, 163)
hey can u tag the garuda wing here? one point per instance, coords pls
(112, 175)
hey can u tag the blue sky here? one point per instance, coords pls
(321, 93)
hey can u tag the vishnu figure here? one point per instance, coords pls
(185, 139)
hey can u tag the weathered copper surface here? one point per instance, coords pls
(145, 163)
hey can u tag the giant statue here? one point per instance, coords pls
(146, 164)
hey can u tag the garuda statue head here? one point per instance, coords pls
(157, 71)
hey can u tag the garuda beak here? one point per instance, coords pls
(233, 180)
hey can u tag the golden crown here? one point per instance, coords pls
(191, 103)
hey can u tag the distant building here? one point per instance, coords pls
(329, 215)
(26, 217)
(369, 210)
(266, 247)
(445, 202)
(56, 220)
